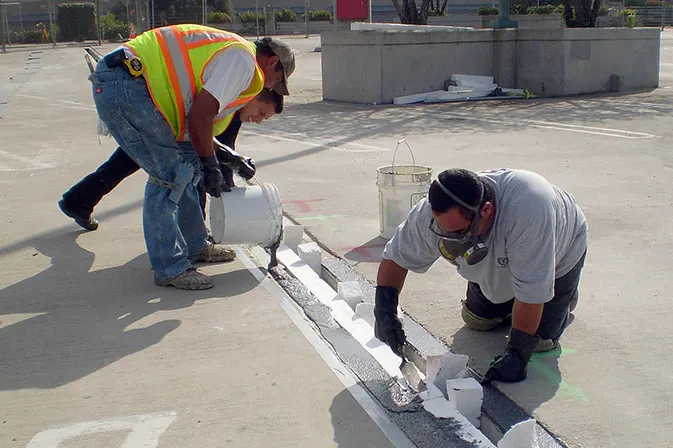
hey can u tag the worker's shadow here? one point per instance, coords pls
(68, 321)
(544, 377)
(353, 427)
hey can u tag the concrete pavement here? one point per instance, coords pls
(92, 352)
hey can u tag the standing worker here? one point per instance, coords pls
(163, 96)
(80, 200)
(518, 240)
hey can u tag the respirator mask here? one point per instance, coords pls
(465, 243)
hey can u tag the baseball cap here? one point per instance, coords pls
(286, 59)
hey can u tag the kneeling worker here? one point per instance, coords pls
(518, 240)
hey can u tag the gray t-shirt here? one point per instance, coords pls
(539, 234)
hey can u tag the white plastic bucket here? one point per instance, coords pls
(247, 215)
(400, 188)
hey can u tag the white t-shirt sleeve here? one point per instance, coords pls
(228, 74)
(413, 246)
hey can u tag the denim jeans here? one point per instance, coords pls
(173, 224)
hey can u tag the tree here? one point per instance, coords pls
(409, 13)
(586, 13)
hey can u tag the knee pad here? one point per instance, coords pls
(478, 323)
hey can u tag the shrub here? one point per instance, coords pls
(628, 12)
(320, 15)
(219, 17)
(285, 15)
(251, 17)
(26, 36)
(517, 9)
(111, 28)
(77, 21)
(542, 9)
(561, 10)
(488, 11)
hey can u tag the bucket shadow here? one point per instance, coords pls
(369, 252)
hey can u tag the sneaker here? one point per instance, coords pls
(191, 280)
(86, 222)
(215, 253)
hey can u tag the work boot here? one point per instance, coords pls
(478, 323)
(191, 280)
(215, 253)
(86, 222)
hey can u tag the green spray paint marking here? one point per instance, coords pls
(319, 218)
(554, 378)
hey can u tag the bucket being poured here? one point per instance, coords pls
(247, 215)
(400, 188)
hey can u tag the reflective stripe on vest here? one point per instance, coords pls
(175, 58)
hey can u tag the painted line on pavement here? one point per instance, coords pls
(318, 142)
(375, 412)
(32, 163)
(608, 132)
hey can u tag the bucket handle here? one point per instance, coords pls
(410, 152)
(413, 159)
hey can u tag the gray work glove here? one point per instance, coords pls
(512, 366)
(212, 176)
(387, 326)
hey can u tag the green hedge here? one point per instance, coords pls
(286, 15)
(488, 11)
(251, 17)
(320, 15)
(219, 17)
(112, 29)
(77, 21)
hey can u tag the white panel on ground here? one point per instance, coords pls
(521, 435)
(311, 255)
(471, 79)
(417, 98)
(292, 236)
(467, 395)
(350, 292)
(446, 367)
(366, 312)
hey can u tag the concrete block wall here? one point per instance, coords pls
(377, 66)
(370, 66)
(578, 61)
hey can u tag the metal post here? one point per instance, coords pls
(52, 11)
(504, 21)
(306, 16)
(204, 8)
(257, 17)
(3, 44)
(369, 11)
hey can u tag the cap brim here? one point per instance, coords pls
(281, 87)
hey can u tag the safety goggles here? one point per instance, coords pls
(459, 237)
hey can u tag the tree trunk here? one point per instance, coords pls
(594, 13)
(568, 12)
(408, 12)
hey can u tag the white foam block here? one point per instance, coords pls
(350, 292)
(467, 395)
(310, 254)
(521, 435)
(445, 367)
(366, 312)
(292, 236)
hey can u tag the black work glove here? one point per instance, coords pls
(244, 166)
(512, 366)
(387, 326)
(228, 178)
(212, 176)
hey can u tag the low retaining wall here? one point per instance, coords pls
(376, 66)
